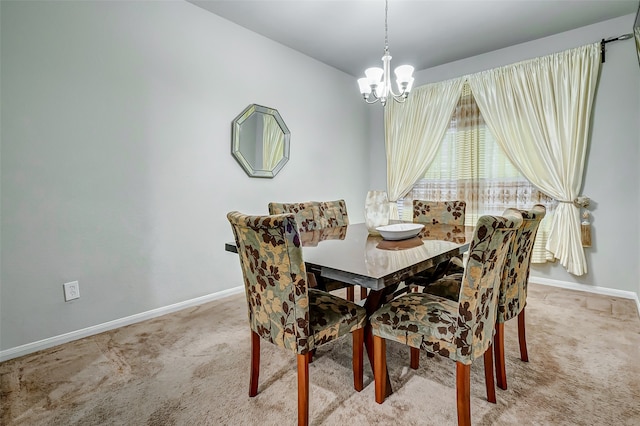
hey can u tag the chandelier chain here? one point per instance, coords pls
(386, 25)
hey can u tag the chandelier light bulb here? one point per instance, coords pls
(403, 73)
(374, 75)
(365, 87)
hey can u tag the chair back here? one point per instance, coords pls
(333, 214)
(314, 215)
(446, 212)
(480, 287)
(274, 278)
(307, 214)
(513, 291)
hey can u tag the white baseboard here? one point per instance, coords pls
(110, 325)
(121, 322)
(588, 288)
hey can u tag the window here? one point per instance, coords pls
(471, 166)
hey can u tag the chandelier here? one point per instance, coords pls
(377, 83)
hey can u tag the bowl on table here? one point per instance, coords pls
(399, 231)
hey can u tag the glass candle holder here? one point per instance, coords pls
(376, 210)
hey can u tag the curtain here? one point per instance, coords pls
(539, 111)
(471, 166)
(273, 139)
(413, 131)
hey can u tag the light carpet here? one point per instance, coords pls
(192, 368)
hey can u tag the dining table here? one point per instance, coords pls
(353, 255)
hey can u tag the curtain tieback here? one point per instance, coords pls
(578, 202)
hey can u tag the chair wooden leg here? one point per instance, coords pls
(488, 375)
(463, 393)
(498, 347)
(255, 363)
(522, 337)
(415, 358)
(303, 389)
(350, 294)
(358, 358)
(363, 293)
(380, 368)
(311, 280)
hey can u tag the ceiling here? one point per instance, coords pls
(349, 34)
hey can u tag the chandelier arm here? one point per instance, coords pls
(400, 98)
(373, 94)
(394, 94)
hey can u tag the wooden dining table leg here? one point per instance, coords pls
(363, 293)
(350, 294)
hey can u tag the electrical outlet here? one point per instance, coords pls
(71, 291)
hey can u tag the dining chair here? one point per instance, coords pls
(446, 212)
(513, 291)
(282, 309)
(438, 212)
(333, 214)
(313, 216)
(513, 288)
(462, 330)
(307, 214)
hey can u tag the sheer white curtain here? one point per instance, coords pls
(413, 131)
(471, 166)
(539, 111)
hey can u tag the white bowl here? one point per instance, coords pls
(400, 231)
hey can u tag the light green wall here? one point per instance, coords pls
(116, 168)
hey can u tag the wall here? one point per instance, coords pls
(116, 168)
(611, 172)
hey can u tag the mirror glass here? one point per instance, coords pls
(260, 141)
(636, 33)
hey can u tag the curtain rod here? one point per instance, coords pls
(609, 40)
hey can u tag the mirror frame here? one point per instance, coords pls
(236, 141)
(636, 33)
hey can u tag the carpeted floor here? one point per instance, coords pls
(192, 368)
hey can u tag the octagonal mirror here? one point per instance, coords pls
(260, 141)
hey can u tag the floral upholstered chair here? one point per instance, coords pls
(513, 288)
(282, 309)
(513, 291)
(335, 219)
(333, 214)
(448, 212)
(461, 330)
(314, 218)
(438, 212)
(307, 214)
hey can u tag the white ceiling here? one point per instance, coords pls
(349, 34)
